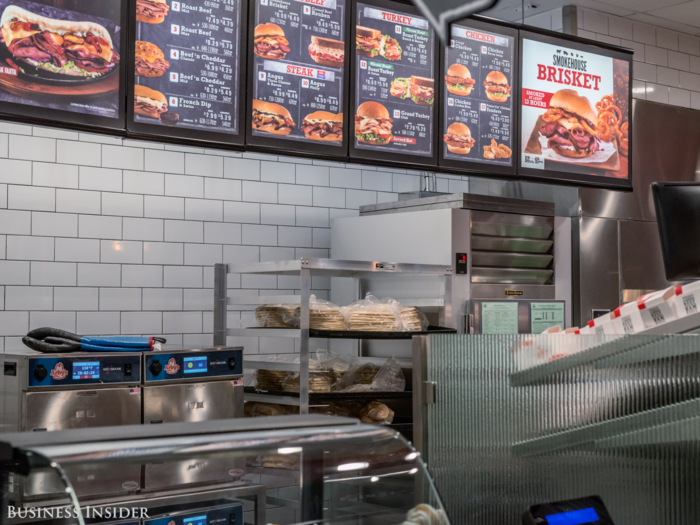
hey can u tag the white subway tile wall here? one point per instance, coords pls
(102, 235)
(665, 61)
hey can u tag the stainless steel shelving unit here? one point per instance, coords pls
(305, 269)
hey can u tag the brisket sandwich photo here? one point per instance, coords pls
(150, 60)
(272, 118)
(270, 42)
(151, 11)
(570, 125)
(79, 49)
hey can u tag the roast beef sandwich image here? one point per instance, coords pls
(149, 102)
(79, 49)
(150, 60)
(151, 11)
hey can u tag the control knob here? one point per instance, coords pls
(40, 372)
(156, 368)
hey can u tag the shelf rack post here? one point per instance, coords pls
(304, 321)
(220, 307)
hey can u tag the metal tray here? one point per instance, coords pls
(335, 396)
(349, 334)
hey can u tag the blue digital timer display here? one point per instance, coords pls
(86, 370)
(573, 517)
(194, 365)
(196, 520)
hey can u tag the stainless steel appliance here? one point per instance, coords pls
(498, 248)
(229, 513)
(192, 385)
(63, 391)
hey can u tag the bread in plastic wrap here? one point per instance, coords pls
(323, 315)
(272, 315)
(372, 315)
(413, 319)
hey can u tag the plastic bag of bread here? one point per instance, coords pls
(390, 377)
(323, 315)
(413, 319)
(318, 382)
(333, 364)
(340, 408)
(376, 412)
(425, 514)
(372, 315)
(369, 377)
(254, 409)
(273, 315)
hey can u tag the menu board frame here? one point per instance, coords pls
(298, 147)
(388, 157)
(76, 120)
(493, 26)
(562, 177)
(181, 134)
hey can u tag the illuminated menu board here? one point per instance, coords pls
(395, 92)
(575, 117)
(63, 61)
(477, 108)
(297, 79)
(185, 72)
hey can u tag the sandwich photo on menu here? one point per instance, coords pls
(497, 88)
(422, 91)
(272, 118)
(322, 125)
(149, 102)
(570, 125)
(151, 11)
(400, 88)
(150, 60)
(76, 49)
(373, 123)
(327, 52)
(367, 41)
(459, 80)
(459, 138)
(270, 42)
(390, 48)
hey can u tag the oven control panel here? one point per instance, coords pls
(219, 515)
(84, 369)
(192, 365)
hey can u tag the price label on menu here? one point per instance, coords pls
(395, 84)
(298, 67)
(187, 64)
(478, 108)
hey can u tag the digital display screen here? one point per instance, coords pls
(186, 67)
(575, 112)
(62, 57)
(478, 91)
(395, 85)
(573, 517)
(196, 520)
(194, 365)
(86, 370)
(298, 84)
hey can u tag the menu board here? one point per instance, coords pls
(575, 112)
(186, 67)
(63, 64)
(395, 62)
(297, 79)
(478, 70)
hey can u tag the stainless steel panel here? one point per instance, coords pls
(11, 388)
(563, 265)
(61, 410)
(194, 470)
(192, 402)
(510, 225)
(641, 263)
(668, 152)
(510, 275)
(498, 291)
(596, 271)
(511, 260)
(506, 244)
(468, 201)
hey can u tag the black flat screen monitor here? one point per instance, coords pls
(678, 216)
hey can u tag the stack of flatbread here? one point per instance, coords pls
(270, 379)
(367, 321)
(412, 318)
(318, 382)
(365, 374)
(323, 318)
(376, 412)
(272, 315)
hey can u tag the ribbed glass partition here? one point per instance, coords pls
(521, 420)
